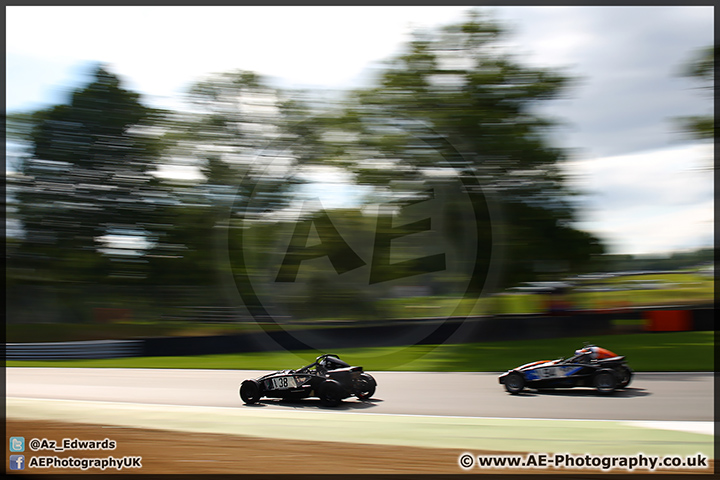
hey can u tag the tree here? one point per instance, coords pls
(453, 100)
(233, 125)
(481, 100)
(85, 187)
(702, 69)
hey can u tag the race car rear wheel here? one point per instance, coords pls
(250, 391)
(330, 393)
(625, 376)
(514, 383)
(605, 381)
(365, 387)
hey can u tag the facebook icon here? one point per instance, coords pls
(17, 462)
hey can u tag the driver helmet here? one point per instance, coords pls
(595, 352)
(583, 355)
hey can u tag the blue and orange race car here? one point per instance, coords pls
(591, 366)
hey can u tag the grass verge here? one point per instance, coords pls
(665, 352)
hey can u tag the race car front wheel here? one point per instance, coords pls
(250, 391)
(365, 387)
(514, 383)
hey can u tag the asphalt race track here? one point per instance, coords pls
(650, 396)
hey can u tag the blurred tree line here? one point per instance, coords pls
(673, 262)
(93, 207)
(701, 68)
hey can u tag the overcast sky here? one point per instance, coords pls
(648, 188)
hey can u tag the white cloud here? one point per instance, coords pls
(162, 49)
(648, 230)
(649, 202)
(664, 177)
(547, 36)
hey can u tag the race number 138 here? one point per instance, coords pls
(283, 382)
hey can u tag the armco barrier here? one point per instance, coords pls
(395, 333)
(69, 350)
(392, 333)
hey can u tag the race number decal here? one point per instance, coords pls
(552, 372)
(282, 383)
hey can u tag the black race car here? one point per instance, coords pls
(591, 366)
(328, 378)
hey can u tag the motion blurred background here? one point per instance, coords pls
(188, 171)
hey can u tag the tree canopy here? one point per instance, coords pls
(455, 100)
(481, 100)
(453, 106)
(702, 69)
(87, 175)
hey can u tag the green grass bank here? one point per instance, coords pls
(645, 352)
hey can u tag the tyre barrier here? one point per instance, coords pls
(71, 350)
